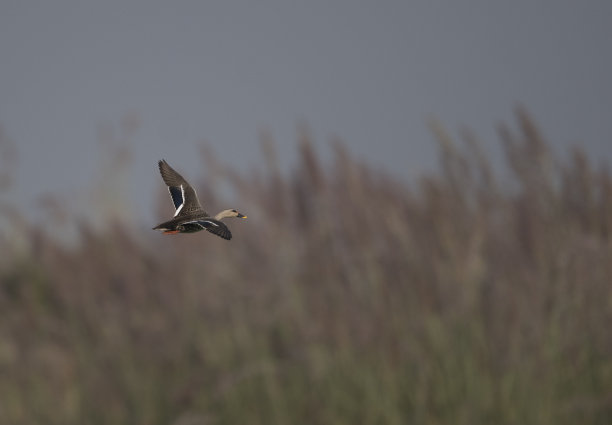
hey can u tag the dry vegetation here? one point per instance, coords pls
(348, 297)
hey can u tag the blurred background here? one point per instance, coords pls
(429, 202)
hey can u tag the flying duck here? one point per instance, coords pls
(189, 216)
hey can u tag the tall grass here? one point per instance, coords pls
(347, 297)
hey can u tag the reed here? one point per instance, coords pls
(348, 297)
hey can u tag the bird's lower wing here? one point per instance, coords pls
(213, 226)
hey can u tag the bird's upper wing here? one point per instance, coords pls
(183, 195)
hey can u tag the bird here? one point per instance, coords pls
(189, 216)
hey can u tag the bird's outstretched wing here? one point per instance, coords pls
(183, 196)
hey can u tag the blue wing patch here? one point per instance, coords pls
(177, 196)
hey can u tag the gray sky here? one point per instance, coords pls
(221, 71)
